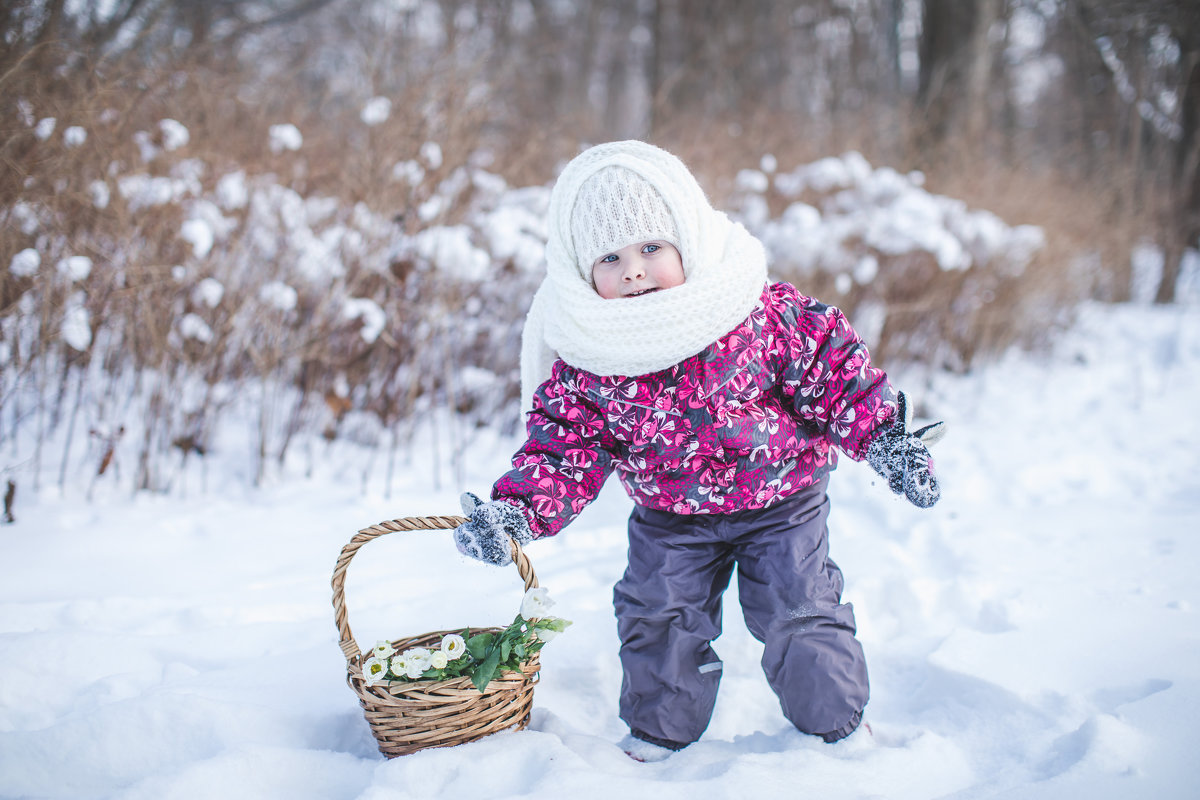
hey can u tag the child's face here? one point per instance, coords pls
(637, 269)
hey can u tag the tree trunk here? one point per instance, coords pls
(978, 79)
(1184, 214)
(946, 29)
(655, 67)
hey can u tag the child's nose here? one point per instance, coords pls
(635, 269)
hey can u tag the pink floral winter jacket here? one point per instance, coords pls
(748, 421)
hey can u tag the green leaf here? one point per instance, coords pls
(486, 671)
(479, 645)
(505, 649)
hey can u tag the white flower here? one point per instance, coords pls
(438, 660)
(453, 646)
(383, 649)
(399, 664)
(536, 603)
(374, 671)
(416, 661)
(547, 629)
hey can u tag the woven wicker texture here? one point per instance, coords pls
(407, 716)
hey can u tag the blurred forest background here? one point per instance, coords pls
(1077, 116)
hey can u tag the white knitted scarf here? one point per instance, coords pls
(725, 270)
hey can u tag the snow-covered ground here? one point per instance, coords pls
(1036, 635)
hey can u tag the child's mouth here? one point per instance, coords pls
(643, 292)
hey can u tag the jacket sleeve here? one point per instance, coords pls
(565, 459)
(828, 376)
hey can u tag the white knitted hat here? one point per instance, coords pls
(725, 268)
(617, 207)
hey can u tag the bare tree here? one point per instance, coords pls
(60, 34)
(956, 60)
(1151, 51)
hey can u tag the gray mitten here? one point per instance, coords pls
(486, 535)
(903, 459)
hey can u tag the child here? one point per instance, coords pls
(658, 349)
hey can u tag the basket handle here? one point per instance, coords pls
(345, 637)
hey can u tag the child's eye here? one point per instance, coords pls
(651, 248)
(608, 259)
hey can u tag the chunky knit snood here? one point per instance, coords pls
(725, 270)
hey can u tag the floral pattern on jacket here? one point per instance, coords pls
(752, 419)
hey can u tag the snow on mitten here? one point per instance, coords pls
(903, 459)
(485, 536)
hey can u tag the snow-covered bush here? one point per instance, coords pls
(920, 274)
(158, 288)
(164, 279)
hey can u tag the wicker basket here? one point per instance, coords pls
(407, 716)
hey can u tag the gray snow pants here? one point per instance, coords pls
(668, 607)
